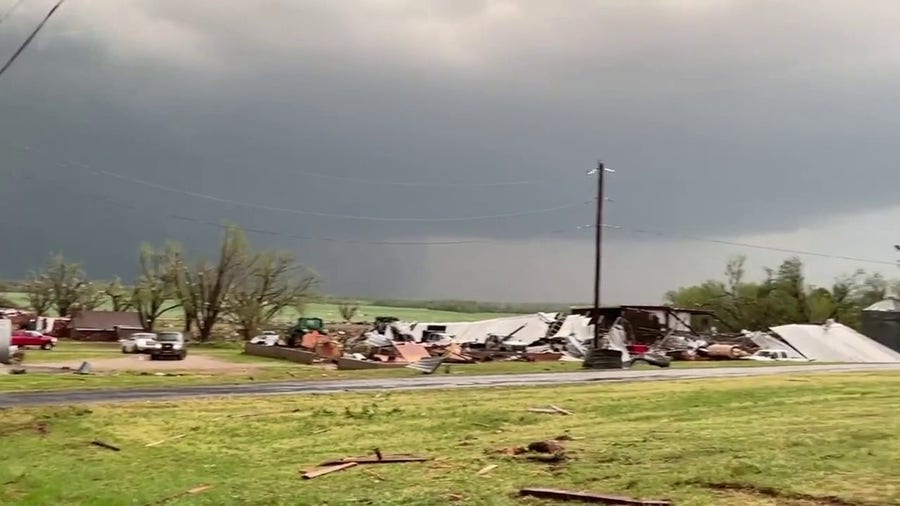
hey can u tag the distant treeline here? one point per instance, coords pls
(472, 306)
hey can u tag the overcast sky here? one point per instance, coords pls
(771, 123)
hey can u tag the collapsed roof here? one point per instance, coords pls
(834, 342)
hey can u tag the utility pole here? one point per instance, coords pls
(598, 252)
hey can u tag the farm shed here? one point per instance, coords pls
(104, 325)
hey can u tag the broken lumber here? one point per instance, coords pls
(315, 473)
(108, 446)
(568, 495)
(195, 490)
(487, 469)
(561, 410)
(385, 459)
(543, 410)
(157, 443)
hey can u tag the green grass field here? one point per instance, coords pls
(798, 440)
(330, 313)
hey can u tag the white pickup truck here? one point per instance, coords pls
(774, 355)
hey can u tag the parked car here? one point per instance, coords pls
(169, 345)
(23, 338)
(140, 342)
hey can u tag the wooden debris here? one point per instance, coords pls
(568, 495)
(174, 438)
(315, 473)
(320, 431)
(385, 459)
(561, 410)
(108, 446)
(487, 469)
(193, 491)
(547, 411)
(552, 410)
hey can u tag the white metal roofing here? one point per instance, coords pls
(536, 326)
(889, 304)
(835, 343)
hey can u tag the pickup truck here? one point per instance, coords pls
(774, 355)
(23, 338)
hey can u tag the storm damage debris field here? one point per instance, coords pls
(797, 440)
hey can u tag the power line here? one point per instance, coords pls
(10, 11)
(261, 231)
(424, 184)
(30, 37)
(264, 207)
(754, 246)
(382, 182)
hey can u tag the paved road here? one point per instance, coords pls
(417, 383)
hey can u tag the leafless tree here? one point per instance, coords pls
(40, 294)
(119, 296)
(155, 291)
(69, 286)
(348, 310)
(269, 283)
(205, 287)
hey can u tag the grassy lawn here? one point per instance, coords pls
(751, 441)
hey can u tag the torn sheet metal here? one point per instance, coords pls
(427, 365)
(535, 328)
(378, 341)
(835, 342)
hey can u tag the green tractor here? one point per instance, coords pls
(304, 326)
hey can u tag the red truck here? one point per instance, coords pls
(22, 338)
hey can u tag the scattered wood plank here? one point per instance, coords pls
(320, 431)
(385, 459)
(173, 438)
(561, 410)
(108, 446)
(547, 411)
(568, 495)
(315, 473)
(487, 469)
(193, 491)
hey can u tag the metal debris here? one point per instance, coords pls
(568, 495)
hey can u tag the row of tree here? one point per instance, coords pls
(783, 296)
(243, 286)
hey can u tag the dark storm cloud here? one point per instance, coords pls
(721, 118)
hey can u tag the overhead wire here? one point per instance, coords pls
(28, 40)
(264, 207)
(753, 246)
(288, 235)
(9, 11)
(425, 184)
